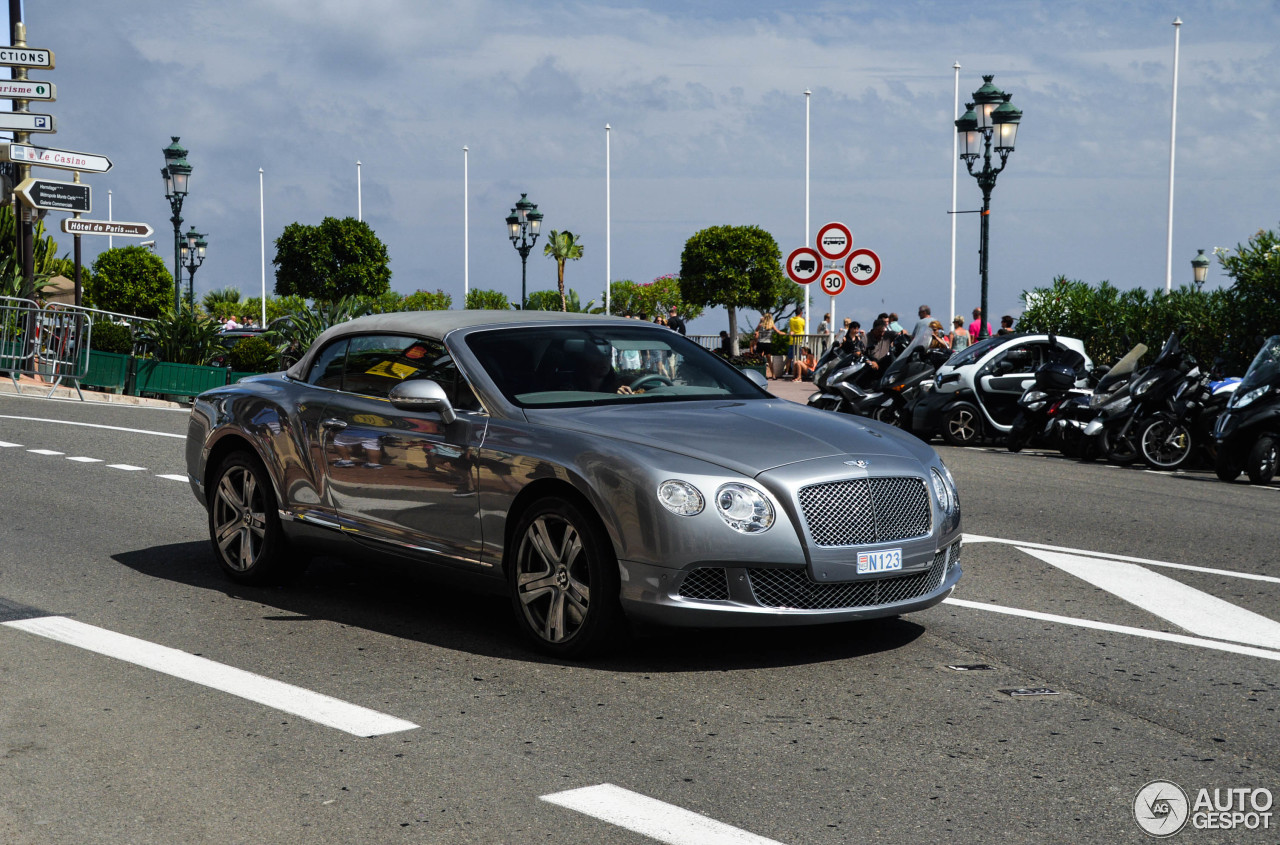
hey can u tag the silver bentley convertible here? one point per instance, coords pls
(600, 468)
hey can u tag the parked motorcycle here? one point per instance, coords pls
(1248, 432)
(1055, 383)
(1107, 410)
(1184, 424)
(835, 367)
(905, 380)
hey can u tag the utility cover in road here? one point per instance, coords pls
(21, 121)
(55, 196)
(120, 229)
(26, 57)
(27, 89)
(49, 157)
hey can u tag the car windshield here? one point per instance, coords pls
(1265, 368)
(971, 354)
(567, 366)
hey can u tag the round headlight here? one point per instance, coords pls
(744, 508)
(680, 497)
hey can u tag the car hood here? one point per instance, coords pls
(748, 437)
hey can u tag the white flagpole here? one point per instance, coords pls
(262, 241)
(466, 225)
(110, 239)
(955, 157)
(608, 224)
(359, 195)
(1173, 140)
(807, 93)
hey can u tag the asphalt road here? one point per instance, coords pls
(844, 734)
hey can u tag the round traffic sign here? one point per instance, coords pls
(862, 266)
(833, 282)
(804, 265)
(834, 241)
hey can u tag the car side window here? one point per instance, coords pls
(326, 370)
(377, 363)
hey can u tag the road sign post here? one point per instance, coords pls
(52, 195)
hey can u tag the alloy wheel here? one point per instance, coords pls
(239, 519)
(1166, 445)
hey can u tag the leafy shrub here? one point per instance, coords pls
(111, 337)
(487, 299)
(426, 301)
(182, 338)
(253, 355)
(294, 333)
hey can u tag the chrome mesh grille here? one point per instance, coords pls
(792, 588)
(707, 583)
(860, 511)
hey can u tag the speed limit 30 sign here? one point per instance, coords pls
(833, 282)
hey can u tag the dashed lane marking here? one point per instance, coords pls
(45, 452)
(127, 467)
(6, 445)
(303, 703)
(84, 460)
(651, 817)
(173, 477)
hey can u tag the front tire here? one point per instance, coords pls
(563, 579)
(1261, 464)
(961, 426)
(244, 524)
(1167, 445)
(1117, 449)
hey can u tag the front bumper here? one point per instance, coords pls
(720, 595)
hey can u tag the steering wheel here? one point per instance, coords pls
(653, 378)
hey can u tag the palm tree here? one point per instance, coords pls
(562, 246)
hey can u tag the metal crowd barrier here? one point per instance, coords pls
(50, 343)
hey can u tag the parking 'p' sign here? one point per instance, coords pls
(862, 266)
(833, 282)
(804, 265)
(834, 241)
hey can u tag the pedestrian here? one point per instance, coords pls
(939, 339)
(959, 337)
(725, 344)
(855, 339)
(879, 345)
(976, 326)
(1006, 325)
(824, 331)
(894, 325)
(802, 370)
(923, 325)
(795, 329)
(674, 322)
(230, 324)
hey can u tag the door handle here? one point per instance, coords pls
(333, 423)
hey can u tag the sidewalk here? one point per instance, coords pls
(795, 391)
(39, 389)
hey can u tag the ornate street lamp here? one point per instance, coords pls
(193, 249)
(176, 172)
(1200, 268)
(989, 117)
(522, 227)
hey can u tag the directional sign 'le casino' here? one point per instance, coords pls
(49, 157)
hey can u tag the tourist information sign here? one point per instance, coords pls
(120, 229)
(27, 89)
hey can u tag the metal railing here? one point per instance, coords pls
(50, 342)
(817, 343)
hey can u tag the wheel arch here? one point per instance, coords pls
(225, 446)
(540, 489)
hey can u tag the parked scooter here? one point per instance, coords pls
(1107, 409)
(1055, 383)
(835, 367)
(1248, 432)
(1184, 424)
(905, 380)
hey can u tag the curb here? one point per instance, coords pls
(39, 390)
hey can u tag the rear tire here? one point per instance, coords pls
(961, 426)
(1227, 467)
(1167, 445)
(563, 578)
(1261, 464)
(1118, 450)
(244, 524)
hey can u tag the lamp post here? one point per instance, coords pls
(1200, 268)
(176, 172)
(522, 227)
(995, 119)
(193, 249)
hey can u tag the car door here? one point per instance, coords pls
(1002, 380)
(404, 478)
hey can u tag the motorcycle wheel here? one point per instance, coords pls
(1019, 434)
(961, 427)
(1167, 445)
(1261, 464)
(887, 415)
(1227, 468)
(1118, 450)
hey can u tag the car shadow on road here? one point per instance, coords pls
(436, 609)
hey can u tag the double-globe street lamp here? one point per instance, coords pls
(176, 172)
(995, 119)
(193, 249)
(522, 227)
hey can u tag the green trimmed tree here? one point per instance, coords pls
(337, 259)
(733, 266)
(130, 280)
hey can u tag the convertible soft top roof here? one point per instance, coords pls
(437, 324)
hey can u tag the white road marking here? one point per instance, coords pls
(978, 538)
(126, 467)
(96, 425)
(1182, 639)
(651, 817)
(303, 703)
(173, 477)
(45, 452)
(6, 445)
(1188, 608)
(86, 460)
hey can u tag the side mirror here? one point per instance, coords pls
(422, 395)
(757, 379)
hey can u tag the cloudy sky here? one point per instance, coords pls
(707, 110)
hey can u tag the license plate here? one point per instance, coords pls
(884, 561)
